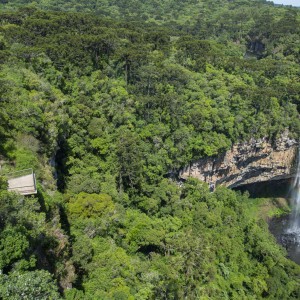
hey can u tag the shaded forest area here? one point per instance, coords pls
(106, 101)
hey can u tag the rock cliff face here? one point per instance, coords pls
(249, 162)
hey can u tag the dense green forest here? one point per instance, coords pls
(107, 100)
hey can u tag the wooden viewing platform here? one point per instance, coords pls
(23, 182)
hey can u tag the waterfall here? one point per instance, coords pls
(287, 229)
(294, 222)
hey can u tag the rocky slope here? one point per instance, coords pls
(248, 162)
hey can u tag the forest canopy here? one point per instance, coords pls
(107, 100)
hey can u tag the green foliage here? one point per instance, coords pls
(3, 183)
(27, 243)
(13, 245)
(91, 206)
(205, 246)
(28, 285)
(147, 89)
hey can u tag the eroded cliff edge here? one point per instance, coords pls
(248, 162)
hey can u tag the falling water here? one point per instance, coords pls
(294, 222)
(286, 229)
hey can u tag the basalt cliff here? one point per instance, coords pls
(249, 162)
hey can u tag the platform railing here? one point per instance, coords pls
(17, 174)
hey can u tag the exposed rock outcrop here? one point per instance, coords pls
(248, 162)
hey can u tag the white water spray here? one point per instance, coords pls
(294, 222)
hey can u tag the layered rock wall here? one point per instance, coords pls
(248, 162)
